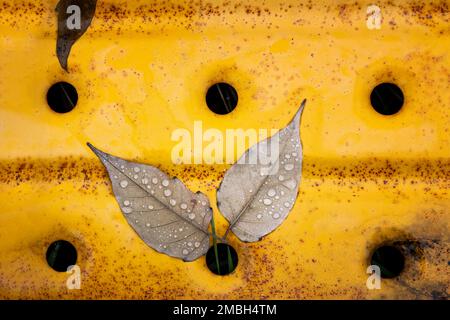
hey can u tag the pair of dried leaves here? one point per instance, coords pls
(173, 220)
(169, 217)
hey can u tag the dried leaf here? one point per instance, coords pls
(74, 17)
(256, 197)
(165, 214)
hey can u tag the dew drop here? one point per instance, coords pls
(173, 202)
(126, 203)
(191, 216)
(287, 204)
(154, 180)
(197, 244)
(136, 169)
(135, 176)
(267, 202)
(167, 193)
(271, 192)
(189, 244)
(183, 206)
(290, 184)
(165, 182)
(185, 251)
(281, 178)
(127, 210)
(124, 183)
(259, 216)
(289, 167)
(287, 156)
(203, 203)
(276, 216)
(150, 207)
(147, 224)
(144, 181)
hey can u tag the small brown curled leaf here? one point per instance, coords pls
(74, 17)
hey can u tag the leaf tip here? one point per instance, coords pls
(97, 152)
(62, 58)
(91, 146)
(299, 112)
(302, 107)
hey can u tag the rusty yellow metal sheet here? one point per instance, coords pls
(142, 70)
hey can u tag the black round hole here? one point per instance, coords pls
(221, 98)
(62, 97)
(60, 255)
(390, 260)
(227, 259)
(387, 98)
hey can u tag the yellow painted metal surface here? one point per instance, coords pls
(142, 70)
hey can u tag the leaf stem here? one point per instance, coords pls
(214, 236)
(226, 233)
(230, 260)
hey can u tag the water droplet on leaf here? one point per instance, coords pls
(124, 183)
